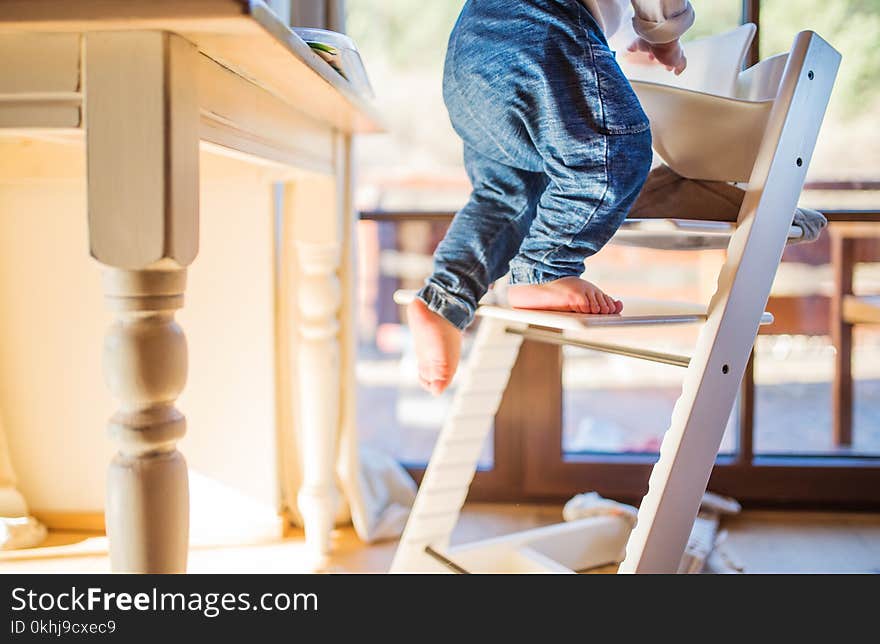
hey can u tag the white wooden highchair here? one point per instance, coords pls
(714, 122)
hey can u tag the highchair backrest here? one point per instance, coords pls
(714, 63)
(708, 123)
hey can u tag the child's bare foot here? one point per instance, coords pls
(438, 346)
(566, 294)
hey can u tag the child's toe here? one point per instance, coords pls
(609, 302)
(594, 304)
(578, 304)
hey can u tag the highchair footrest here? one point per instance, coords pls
(636, 312)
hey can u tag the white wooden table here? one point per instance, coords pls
(142, 84)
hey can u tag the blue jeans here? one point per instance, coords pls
(556, 145)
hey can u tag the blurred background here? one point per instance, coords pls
(411, 181)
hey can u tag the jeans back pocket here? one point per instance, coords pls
(622, 112)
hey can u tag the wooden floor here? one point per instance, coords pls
(762, 542)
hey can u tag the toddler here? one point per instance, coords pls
(556, 146)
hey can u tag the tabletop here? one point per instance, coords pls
(244, 36)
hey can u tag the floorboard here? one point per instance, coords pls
(762, 542)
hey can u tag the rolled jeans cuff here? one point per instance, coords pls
(447, 306)
(523, 272)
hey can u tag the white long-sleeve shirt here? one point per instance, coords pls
(657, 21)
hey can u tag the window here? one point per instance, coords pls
(794, 368)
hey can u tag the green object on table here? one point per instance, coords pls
(322, 47)
(328, 53)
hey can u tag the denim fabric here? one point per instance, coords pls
(556, 146)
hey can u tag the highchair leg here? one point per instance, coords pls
(453, 463)
(691, 444)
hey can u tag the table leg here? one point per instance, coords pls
(145, 363)
(314, 238)
(317, 368)
(142, 151)
(12, 503)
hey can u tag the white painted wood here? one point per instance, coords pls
(39, 64)
(237, 114)
(232, 461)
(56, 112)
(145, 363)
(691, 444)
(636, 312)
(142, 148)
(562, 547)
(17, 528)
(143, 188)
(315, 222)
(454, 459)
(448, 501)
(246, 37)
(12, 503)
(40, 83)
(234, 75)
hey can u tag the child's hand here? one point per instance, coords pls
(670, 54)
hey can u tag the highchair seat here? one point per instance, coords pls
(682, 234)
(708, 122)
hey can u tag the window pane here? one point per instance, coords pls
(794, 367)
(849, 144)
(793, 396)
(714, 17)
(617, 404)
(417, 164)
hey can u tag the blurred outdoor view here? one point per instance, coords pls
(416, 166)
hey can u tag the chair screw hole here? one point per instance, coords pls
(799, 162)
(811, 75)
(725, 369)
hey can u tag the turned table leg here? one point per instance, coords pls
(145, 364)
(142, 129)
(12, 503)
(315, 219)
(317, 367)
